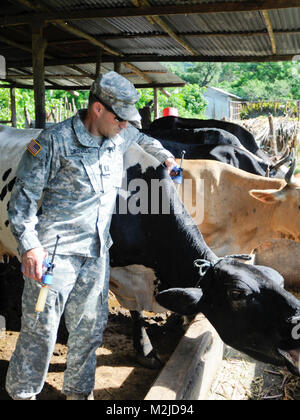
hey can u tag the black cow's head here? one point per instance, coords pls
(248, 307)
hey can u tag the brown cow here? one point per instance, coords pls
(241, 211)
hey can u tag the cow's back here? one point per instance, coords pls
(227, 205)
(244, 135)
(13, 143)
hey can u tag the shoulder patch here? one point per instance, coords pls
(34, 147)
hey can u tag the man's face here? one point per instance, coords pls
(108, 124)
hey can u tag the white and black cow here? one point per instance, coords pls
(154, 233)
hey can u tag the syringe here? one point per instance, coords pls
(46, 283)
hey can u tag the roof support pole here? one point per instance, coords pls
(156, 104)
(13, 107)
(98, 62)
(117, 67)
(38, 55)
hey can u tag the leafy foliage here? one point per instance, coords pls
(188, 100)
(252, 81)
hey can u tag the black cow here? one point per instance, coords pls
(238, 299)
(235, 156)
(242, 134)
(215, 140)
(196, 136)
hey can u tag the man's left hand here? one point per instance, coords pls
(170, 163)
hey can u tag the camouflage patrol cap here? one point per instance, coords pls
(120, 94)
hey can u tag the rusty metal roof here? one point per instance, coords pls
(141, 33)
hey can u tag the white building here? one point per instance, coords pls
(221, 104)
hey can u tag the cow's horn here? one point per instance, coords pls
(289, 176)
(286, 157)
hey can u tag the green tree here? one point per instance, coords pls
(189, 100)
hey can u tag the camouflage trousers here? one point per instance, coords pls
(80, 290)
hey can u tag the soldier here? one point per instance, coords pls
(77, 167)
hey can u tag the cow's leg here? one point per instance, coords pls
(145, 353)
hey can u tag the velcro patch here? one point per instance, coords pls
(34, 147)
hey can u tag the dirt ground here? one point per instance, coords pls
(118, 375)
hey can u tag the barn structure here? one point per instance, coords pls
(59, 44)
(66, 44)
(221, 104)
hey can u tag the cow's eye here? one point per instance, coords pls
(237, 294)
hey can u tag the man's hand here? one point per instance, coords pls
(170, 163)
(32, 263)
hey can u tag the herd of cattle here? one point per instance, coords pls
(160, 261)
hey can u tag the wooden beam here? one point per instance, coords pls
(77, 87)
(78, 76)
(109, 37)
(270, 30)
(157, 58)
(73, 41)
(14, 44)
(159, 21)
(50, 76)
(182, 9)
(75, 31)
(42, 8)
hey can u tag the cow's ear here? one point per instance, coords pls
(183, 301)
(267, 196)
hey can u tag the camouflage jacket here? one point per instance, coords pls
(77, 180)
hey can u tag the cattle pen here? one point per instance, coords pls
(64, 46)
(213, 371)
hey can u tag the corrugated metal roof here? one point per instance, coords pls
(196, 30)
(155, 71)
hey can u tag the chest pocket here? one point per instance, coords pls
(111, 169)
(105, 172)
(91, 165)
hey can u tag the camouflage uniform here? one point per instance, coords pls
(79, 179)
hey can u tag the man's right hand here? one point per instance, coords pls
(32, 263)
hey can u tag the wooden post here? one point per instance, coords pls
(272, 134)
(117, 67)
(13, 107)
(156, 106)
(98, 62)
(27, 117)
(38, 53)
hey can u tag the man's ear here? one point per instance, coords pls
(97, 107)
(182, 301)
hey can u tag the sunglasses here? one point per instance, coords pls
(109, 109)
